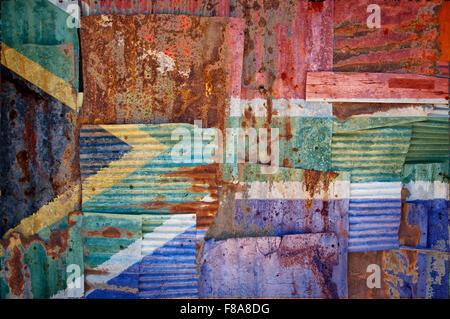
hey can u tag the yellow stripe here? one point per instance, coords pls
(48, 214)
(115, 172)
(39, 76)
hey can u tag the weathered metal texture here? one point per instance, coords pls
(430, 140)
(207, 8)
(404, 274)
(112, 248)
(375, 87)
(288, 266)
(420, 268)
(374, 157)
(283, 40)
(140, 256)
(303, 142)
(188, 70)
(168, 267)
(129, 169)
(38, 161)
(411, 38)
(39, 30)
(290, 201)
(39, 266)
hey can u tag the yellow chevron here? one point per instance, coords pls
(39, 76)
(48, 214)
(146, 146)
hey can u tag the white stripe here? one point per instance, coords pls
(291, 190)
(133, 253)
(280, 108)
(421, 190)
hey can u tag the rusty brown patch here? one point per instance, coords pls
(345, 110)
(316, 181)
(411, 84)
(16, 279)
(409, 235)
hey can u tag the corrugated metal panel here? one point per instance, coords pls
(39, 184)
(34, 28)
(430, 141)
(168, 267)
(408, 39)
(290, 201)
(39, 266)
(283, 40)
(129, 169)
(420, 268)
(375, 158)
(207, 8)
(288, 266)
(372, 155)
(189, 70)
(112, 245)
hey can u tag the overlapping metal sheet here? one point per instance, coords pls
(42, 265)
(189, 70)
(290, 201)
(412, 37)
(288, 266)
(207, 8)
(40, 192)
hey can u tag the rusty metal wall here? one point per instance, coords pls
(93, 206)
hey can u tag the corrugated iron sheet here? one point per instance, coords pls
(411, 38)
(375, 158)
(288, 266)
(420, 268)
(430, 139)
(283, 40)
(36, 266)
(129, 169)
(112, 247)
(290, 201)
(207, 8)
(168, 267)
(129, 172)
(34, 28)
(188, 70)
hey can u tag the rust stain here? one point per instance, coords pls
(409, 235)
(22, 160)
(319, 258)
(16, 279)
(444, 31)
(109, 232)
(316, 181)
(411, 84)
(344, 110)
(182, 73)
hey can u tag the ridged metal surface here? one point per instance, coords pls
(195, 7)
(112, 246)
(430, 140)
(128, 169)
(372, 155)
(36, 266)
(290, 201)
(168, 267)
(408, 41)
